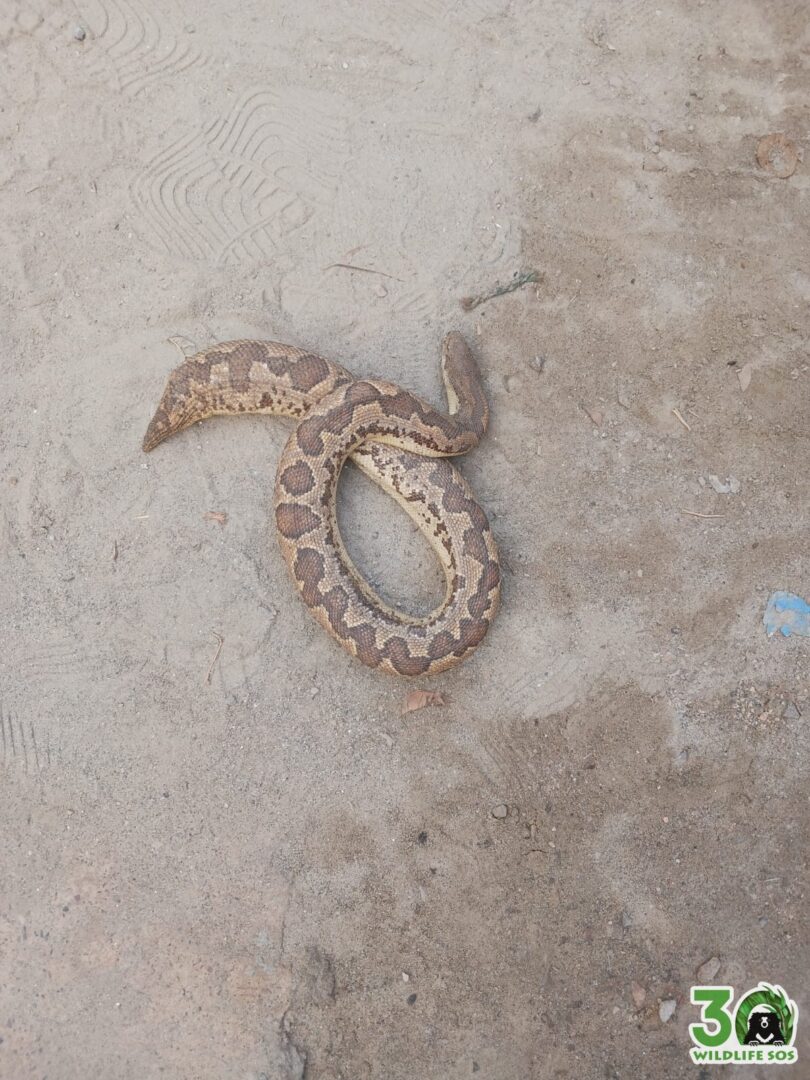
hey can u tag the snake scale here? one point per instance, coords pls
(401, 442)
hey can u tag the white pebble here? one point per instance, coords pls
(666, 1010)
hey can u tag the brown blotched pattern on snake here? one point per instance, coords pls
(400, 442)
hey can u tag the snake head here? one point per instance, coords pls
(466, 399)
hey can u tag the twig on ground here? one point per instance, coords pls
(220, 643)
(470, 302)
(363, 269)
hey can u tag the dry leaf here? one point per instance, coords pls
(418, 699)
(777, 154)
(638, 992)
(216, 515)
(744, 375)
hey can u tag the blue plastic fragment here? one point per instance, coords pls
(788, 614)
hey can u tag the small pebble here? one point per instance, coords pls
(638, 992)
(500, 811)
(406, 977)
(627, 922)
(790, 712)
(411, 999)
(537, 363)
(666, 1010)
(730, 487)
(80, 33)
(708, 969)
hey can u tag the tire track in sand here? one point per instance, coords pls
(141, 43)
(233, 192)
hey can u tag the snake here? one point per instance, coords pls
(399, 441)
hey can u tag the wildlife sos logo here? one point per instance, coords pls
(759, 1030)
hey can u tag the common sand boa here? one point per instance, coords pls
(400, 442)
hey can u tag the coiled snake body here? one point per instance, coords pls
(400, 442)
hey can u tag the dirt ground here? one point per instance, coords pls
(270, 873)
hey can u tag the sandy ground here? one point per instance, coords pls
(274, 875)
